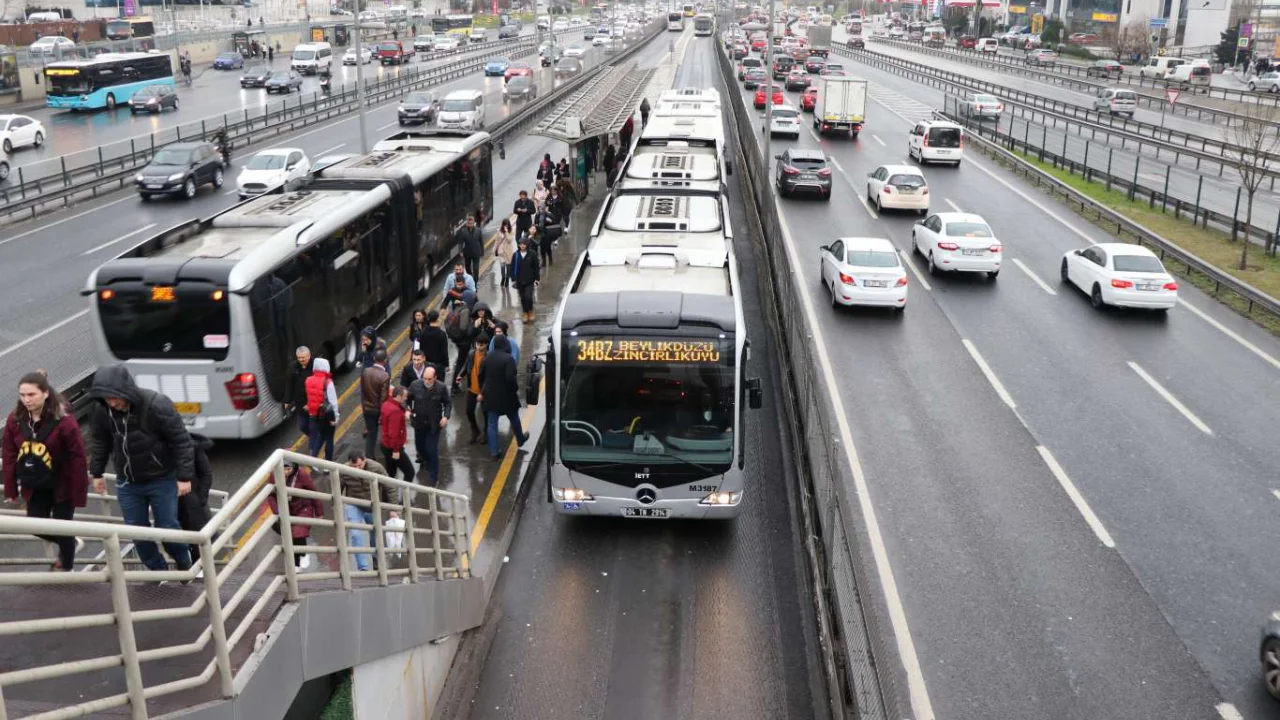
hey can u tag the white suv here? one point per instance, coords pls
(785, 120)
(936, 141)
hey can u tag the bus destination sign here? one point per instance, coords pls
(648, 351)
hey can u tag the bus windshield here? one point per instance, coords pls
(648, 399)
(171, 323)
(66, 82)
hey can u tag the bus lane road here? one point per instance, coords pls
(1003, 585)
(46, 266)
(664, 619)
(213, 94)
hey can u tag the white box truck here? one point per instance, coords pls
(841, 104)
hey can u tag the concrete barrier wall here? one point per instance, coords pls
(405, 686)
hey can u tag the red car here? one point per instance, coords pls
(518, 69)
(968, 42)
(778, 97)
(757, 45)
(1082, 39)
(809, 100)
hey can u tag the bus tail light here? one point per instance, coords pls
(243, 391)
(721, 498)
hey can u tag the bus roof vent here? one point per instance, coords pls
(374, 159)
(657, 261)
(663, 213)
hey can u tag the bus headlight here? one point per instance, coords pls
(721, 498)
(570, 494)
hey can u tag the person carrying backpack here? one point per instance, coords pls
(143, 435)
(44, 461)
(322, 407)
(457, 327)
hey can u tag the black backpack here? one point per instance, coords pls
(34, 467)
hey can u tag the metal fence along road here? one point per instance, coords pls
(1077, 78)
(234, 562)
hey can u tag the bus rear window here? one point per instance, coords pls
(166, 323)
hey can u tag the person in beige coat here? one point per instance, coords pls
(503, 248)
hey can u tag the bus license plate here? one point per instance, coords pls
(644, 512)
(187, 408)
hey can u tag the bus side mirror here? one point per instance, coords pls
(755, 396)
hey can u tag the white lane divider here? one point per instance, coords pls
(906, 260)
(991, 375)
(28, 340)
(1168, 396)
(1229, 712)
(921, 705)
(1076, 498)
(856, 192)
(46, 226)
(109, 243)
(952, 204)
(1035, 278)
(339, 146)
(1276, 493)
(877, 139)
(1231, 334)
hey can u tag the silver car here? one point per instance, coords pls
(1116, 101)
(983, 106)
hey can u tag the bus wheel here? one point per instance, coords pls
(111, 101)
(350, 347)
(426, 279)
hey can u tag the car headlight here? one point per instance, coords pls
(570, 494)
(138, 177)
(175, 177)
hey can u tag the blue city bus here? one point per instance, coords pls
(106, 81)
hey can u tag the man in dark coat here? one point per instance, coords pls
(524, 210)
(295, 391)
(526, 273)
(500, 393)
(143, 435)
(471, 245)
(431, 407)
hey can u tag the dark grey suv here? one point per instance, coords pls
(180, 168)
(418, 107)
(803, 171)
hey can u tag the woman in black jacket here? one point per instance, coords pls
(500, 393)
(417, 326)
(526, 273)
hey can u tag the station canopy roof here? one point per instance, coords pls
(602, 105)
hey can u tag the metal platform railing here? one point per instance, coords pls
(437, 542)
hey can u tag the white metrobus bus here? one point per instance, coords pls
(704, 24)
(675, 22)
(647, 363)
(210, 311)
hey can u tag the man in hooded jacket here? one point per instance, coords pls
(143, 435)
(500, 393)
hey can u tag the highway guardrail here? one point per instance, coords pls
(1185, 263)
(860, 659)
(1076, 77)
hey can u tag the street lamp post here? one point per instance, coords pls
(768, 87)
(364, 134)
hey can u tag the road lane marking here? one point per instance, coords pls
(42, 333)
(384, 127)
(113, 242)
(861, 196)
(1168, 396)
(1276, 493)
(1231, 334)
(953, 205)
(1039, 205)
(906, 260)
(991, 375)
(921, 706)
(322, 153)
(877, 139)
(815, 136)
(500, 480)
(1036, 278)
(46, 226)
(1229, 712)
(1076, 498)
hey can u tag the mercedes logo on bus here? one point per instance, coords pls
(647, 495)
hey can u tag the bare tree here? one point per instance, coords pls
(1253, 138)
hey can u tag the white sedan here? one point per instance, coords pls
(559, 26)
(898, 186)
(575, 50)
(20, 130)
(447, 42)
(1121, 274)
(957, 242)
(270, 169)
(864, 271)
(349, 57)
(600, 40)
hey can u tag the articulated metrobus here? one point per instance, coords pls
(454, 24)
(675, 22)
(690, 10)
(105, 81)
(210, 311)
(704, 25)
(649, 346)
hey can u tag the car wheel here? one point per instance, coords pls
(993, 275)
(1063, 272)
(189, 188)
(835, 304)
(111, 101)
(39, 139)
(145, 196)
(217, 178)
(175, 104)
(933, 268)
(915, 246)
(1252, 87)
(1271, 666)
(1095, 296)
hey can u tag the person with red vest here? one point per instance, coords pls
(322, 407)
(395, 435)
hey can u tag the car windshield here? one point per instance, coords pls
(871, 258)
(280, 75)
(499, 61)
(907, 180)
(171, 157)
(968, 229)
(424, 38)
(784, 113)
(458, 105)
(228, 56)
(1136, 263)
(418, 98)
(389, 46)
(519, 83)
(304, 54)
(256, 71)
(265, 162)
(834, 66)
(146, 92)
(750, 62)
(985, 99)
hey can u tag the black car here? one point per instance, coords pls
(285, 81)
(803, 170)
(519, 87)
(814, 65)
(1104, 68)
(180, 168)
(781, 66)
(739, 52)
(418, 107)
(569, 67)
(755, 78)
(856, 43)
(797, 81)
(154, 98)
(255, 76)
